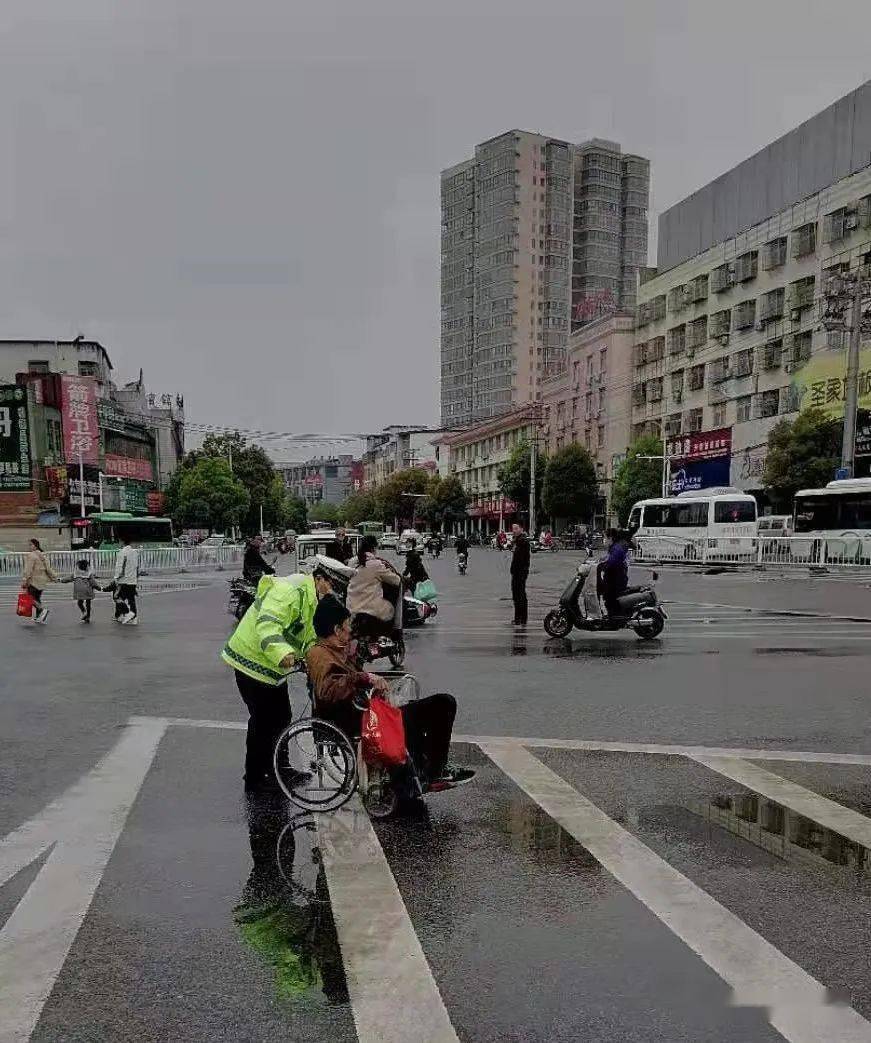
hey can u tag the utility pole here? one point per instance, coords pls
(851, 390)
(842, 292)
(82, 484)
(533, 452)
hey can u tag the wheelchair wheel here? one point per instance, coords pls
(376, 790)
(315, 765)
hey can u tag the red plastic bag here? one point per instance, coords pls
(26, 604)
(383, 734)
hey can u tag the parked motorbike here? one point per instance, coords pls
(462, 562)
(580, 608)
(241, 598)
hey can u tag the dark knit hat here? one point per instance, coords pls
(329, 614)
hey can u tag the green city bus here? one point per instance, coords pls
(104, 530)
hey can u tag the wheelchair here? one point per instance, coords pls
(319, 768)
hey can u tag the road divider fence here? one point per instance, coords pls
(758, 551)
(151, 559)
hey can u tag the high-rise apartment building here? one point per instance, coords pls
(539, 236)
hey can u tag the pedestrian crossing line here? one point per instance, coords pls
(661, 749)
(394, 997)
(824, 812)
(759, 974)
(83, 827)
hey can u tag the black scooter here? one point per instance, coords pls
(639, 608)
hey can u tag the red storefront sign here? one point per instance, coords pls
(56, 483)
(128, 467)
(701, 445)
(79, 419)
(491, 509)
(155, 501)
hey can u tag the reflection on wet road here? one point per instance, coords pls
(284, 913)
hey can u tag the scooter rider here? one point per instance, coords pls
(254, 565)
(613, 571)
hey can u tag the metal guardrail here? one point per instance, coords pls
(151, 559)
(780, 551)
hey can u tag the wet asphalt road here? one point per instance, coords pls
(212, 918)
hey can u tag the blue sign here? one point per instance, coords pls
(842, 473)
(695, 475)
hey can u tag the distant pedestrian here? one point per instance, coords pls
(519, 571)
(37, 576)
(340, 548)
(125, 580)
(84, 584)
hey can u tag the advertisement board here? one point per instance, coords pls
(821, 383)
(699, 460)
(15, 468)
(79, 419)
(128, 467)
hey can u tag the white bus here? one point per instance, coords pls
(835, 522)
(712, 524)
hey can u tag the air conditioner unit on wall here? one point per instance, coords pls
(851, 221)
(795, 315)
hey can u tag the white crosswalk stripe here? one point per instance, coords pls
(394, 995)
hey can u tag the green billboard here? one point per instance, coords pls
(15, 472)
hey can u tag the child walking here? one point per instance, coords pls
(84, 584)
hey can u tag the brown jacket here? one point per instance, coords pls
(333, 676)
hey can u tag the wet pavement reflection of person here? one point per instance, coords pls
(284, 912)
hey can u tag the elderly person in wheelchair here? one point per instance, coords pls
(340, 691)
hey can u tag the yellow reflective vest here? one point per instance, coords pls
(279, 623)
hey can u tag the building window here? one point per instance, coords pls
(804, 240)
(694, 420)
(88, 369)
(37, 366)
(774, 253)
(719, 418)
(697, 378)
(770, 403)
(601, 435)
(603, 360)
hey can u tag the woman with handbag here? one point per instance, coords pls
(37, 576)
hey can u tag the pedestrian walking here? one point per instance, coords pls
(37, 576)
(519, 571)
(84, 584)
(125, 581)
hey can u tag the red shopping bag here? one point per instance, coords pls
(26, 604)
(383, 734)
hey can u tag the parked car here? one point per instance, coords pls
(218, 540)
(388, 540)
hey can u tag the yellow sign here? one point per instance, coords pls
(822, 382)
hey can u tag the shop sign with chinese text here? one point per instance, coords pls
(15, 468)
(79, 419)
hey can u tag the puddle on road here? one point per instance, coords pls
(532, 831)
(284, 913)
(767, 825)
(814, 653)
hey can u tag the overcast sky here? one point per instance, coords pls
(243, 198)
